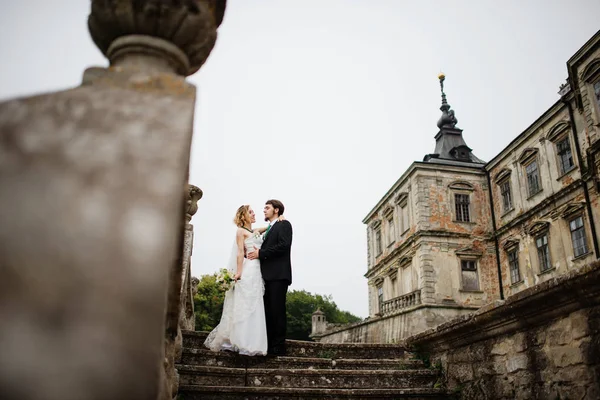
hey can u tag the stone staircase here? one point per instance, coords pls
(309, 371)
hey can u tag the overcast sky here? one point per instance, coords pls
(323, 104)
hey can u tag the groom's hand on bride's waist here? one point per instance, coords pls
(253, 255)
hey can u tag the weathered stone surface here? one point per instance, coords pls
(260, 393)
(91, 208)
(191, 25)
(89, 212)
(209, 375)
(297, 348)
(553, 355)
(205, 357)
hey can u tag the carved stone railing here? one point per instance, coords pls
(400, 302)
(180, 307)
(92, 225)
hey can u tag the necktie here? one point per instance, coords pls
(267, 231)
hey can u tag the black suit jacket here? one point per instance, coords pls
(274, 254)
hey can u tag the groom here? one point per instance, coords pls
(276, 269)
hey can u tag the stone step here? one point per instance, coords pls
(192, 356)
(297, 348)
(273, 393)
(306, 378)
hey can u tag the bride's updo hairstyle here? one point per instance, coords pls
(241, 216)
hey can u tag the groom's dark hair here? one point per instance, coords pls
(277, 204)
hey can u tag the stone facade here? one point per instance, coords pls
(542, 343)
(533, 214)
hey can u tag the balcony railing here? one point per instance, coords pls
(400, 302)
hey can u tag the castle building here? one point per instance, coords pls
(455, 233)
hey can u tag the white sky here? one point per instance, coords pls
(324, 103)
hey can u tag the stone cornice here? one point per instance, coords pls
(531, 130)
(419, 165)
(528, 308)
(539, 207)
(408, 242)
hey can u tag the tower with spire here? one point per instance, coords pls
(450, 146)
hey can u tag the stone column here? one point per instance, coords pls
(91, 216)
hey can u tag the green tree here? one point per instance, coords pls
(300, 306)
(208, 303)
(208, 306)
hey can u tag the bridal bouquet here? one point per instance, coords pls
(225, 279)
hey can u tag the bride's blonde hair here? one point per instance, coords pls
(241, 216)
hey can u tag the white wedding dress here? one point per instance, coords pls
(243, 327)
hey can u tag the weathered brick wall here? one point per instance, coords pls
(542, 343)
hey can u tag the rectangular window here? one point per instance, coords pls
(597, 92)
(378, 247)
(513, 264)
(470, 277)
(462, 207)
(565, 156)
(541, 242)
(405, 222)
(380, 297)
(394, 287)
(506, 195)
(533, 178)
(391, 231)
(578, 236)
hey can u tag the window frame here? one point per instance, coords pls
(596, 96)
(560, 161)
(530, 192)
(466, 204)
(391, 226)
(506, 182)
(475, 263)
(581, 228)
(378, 242)
(514, 251)
(548, 257)
(380, 299)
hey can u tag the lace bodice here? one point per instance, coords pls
(253, 241)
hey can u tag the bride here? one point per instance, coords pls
(242, 327)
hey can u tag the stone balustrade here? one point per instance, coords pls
(400, 302)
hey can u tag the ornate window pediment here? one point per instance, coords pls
(572, 209)
(591, 71)
(510, 244)
(402, 198)
(404, 261)
(557, 130)
(469, 252)
(528, 154)
(388, 211)
(461, 185)
(376, 224)
(502, 175)
(392, 271)
(378, 281)
(538, 228)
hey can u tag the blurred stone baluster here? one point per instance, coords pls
(91, 216)
(180, 310)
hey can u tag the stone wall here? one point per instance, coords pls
(394, 327)
(542, 343)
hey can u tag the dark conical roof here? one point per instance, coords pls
(450, 146)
